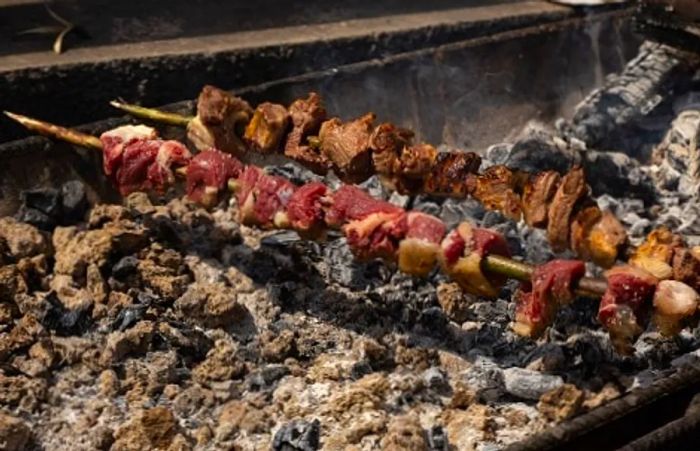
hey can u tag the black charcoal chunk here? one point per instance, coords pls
(66, 321)
(298, 435)
(437, 439)
(266, 377)
(36, 218)
(74, 200)
(46, 200)
(124, 267)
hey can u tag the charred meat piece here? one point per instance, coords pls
(551, 287)
(675, 305)
(377, 235)
(581, 228)
(307, 116)
(136, 161)
(419, 251)
(267, 128)
(686, 267)
(451, 172)
(463, 250)
(220, 121)
(414, 165)
(656, 254)
(625, 306)
(606, 239)
(387, 142)
(572, 189)
(537, 195)
(305, 209)
(208, 174)
(350, 203)
(347, 147)
(262, 199)
(495, 189)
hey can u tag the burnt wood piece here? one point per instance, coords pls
(611, 117)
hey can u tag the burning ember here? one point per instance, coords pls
(203, 320)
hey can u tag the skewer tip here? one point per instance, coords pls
(13, 116)
(116, 104)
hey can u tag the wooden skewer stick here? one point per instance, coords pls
(152, 114)
(496, 264)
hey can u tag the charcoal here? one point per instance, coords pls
(434, 377)
(129, 316)
(538, 151)
(298, 435)
(434, 320)
(66, 321)
(74, 201)
(618, 175)
(296, 173)
(36, 218)
(497, 154)
(360, 369)
(266, 377)
(46, 200)
(455, 211)
(485, 378)
(125, 266)
(529, 384)
(437, 439)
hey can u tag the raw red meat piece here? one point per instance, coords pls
(425, 227)
(272, 194)
(305, 209)
(136, 159)
(170, 153)
(350, 203)
(625, 306)
(208, 173)
(453, 247)
(377, 235)
(114, 141)
(551, 287)
(246, 183)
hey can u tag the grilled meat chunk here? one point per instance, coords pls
(495, 188)
(387, 142)
(451, 172)
(572, 189)
(551, 286)
(208, 174)
(463, 250)
(686, 266)
(419, 250)
(307, 116)
(220, 121)
(262, 198)
(114, 141)
(347, 147)
(537, 195)
(675, 304)
(624, 307)
(267, 128)
(606, 239)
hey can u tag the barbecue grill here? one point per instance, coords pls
(468, 78)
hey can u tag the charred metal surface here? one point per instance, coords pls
(623, 420)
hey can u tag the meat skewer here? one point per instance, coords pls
(356, 150)
(477, 259)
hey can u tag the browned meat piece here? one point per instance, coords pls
(220, 120)
(347, 147)
(387, 142)
(537, 195)
(571, 190)
(581, 228)
(606, 239)
(266, 130)
(675, 303)
(307, 116)
(686, 267)
(451, 172)
(414, 165)
(495, 189)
